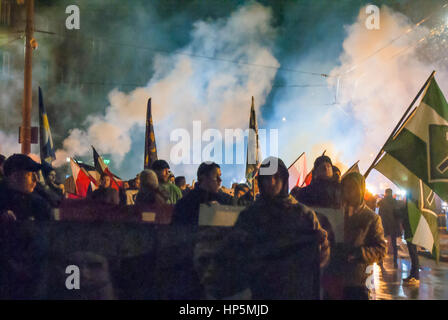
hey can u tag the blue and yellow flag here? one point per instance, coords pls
(253, 148)
(46, 142)
(150, 139)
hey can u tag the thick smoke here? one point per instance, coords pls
(184, 88)
(349, 114)
(354, 118)
(377, 88)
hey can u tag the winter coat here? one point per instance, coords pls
(171, 192)
(186, 210)
(270, 234)
(388, 208)
(320, 193)
(363, 245)
(105, 195)
(24, 205)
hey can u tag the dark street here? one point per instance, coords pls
(433, 277)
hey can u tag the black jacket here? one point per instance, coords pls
(23, 205)
(276, 237)
(105, 195)
(186, 210)
(320, 193)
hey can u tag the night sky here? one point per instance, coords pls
(197, 58)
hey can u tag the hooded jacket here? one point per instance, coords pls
(364, 241)
(324, 193)
(270, 234)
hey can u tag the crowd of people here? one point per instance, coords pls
(269, 224)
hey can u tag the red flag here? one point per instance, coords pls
(308, 179)
(82, 179)
(297, 172)
(101, 167)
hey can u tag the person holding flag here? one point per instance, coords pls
(102, 168)
(323, 190)
(414, 158)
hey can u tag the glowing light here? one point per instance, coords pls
(376, 275)
(371, 189)
(67, 159)
(283, 119)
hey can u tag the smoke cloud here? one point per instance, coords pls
(378, 74)
(373, 76)
(184, 88)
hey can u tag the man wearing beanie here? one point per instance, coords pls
(324, 191)
(171, 192)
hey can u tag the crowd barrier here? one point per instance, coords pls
(122, 260)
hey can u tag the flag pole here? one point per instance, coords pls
(400, 123)
(296, 160)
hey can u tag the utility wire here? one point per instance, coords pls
(409, 30)
(243, 63)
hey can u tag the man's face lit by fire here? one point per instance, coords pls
(324, 171)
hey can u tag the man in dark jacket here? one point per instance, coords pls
(17, 198)
(47, 187)
(388, 212)
(324, 191)
(271, 235)
(105, 193)
(186, 211)
(22, 252)
(363, 244)
(403, 214)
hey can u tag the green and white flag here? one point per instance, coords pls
(417, 159)
(422, 143)
(421, 203)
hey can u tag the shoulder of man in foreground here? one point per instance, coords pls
(253, 211)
